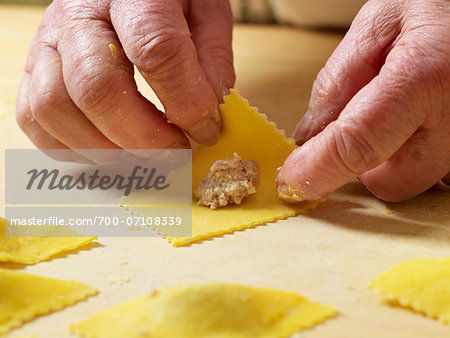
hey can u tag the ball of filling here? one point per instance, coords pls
(228, 181)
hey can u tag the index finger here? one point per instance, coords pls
(157, 39)
(370, 129)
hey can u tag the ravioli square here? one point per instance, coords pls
(207, 310)
(31, 250)
(24, 296)
(249, 134)
(422, 285)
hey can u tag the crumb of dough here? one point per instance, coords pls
(121, 280)
(113, 50)
(228, 181)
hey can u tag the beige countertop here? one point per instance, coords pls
(328, 255)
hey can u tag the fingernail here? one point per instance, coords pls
(207, 131)
(302, 129)
(288, 194)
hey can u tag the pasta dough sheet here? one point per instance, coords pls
(247, 133)
(25, 296)
(31, 250)
(207, 310)
(422, 285)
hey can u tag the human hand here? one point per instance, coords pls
(380, 108)
(79, 91)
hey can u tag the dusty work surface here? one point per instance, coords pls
(328, 255)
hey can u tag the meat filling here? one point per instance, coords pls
(228, 181)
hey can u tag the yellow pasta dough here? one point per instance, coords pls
(24, 296)
(247, 133)
(207, 310)
(31, 250)
(420, 284)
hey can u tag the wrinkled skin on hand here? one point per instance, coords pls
(380, 108)
(79, 91)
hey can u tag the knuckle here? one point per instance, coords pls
(48, 93)
(93, 88)
(80, 9)
(223, 56)
(419, 70)
(415, 60)
(45, 102)
(351, 150)
(325, 92)
(436, 70)
(160, 51)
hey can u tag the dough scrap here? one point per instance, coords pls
(31, 250)
(422, 285)
(25, 296)
(228, 181)
(248, 133)
(207, 310)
